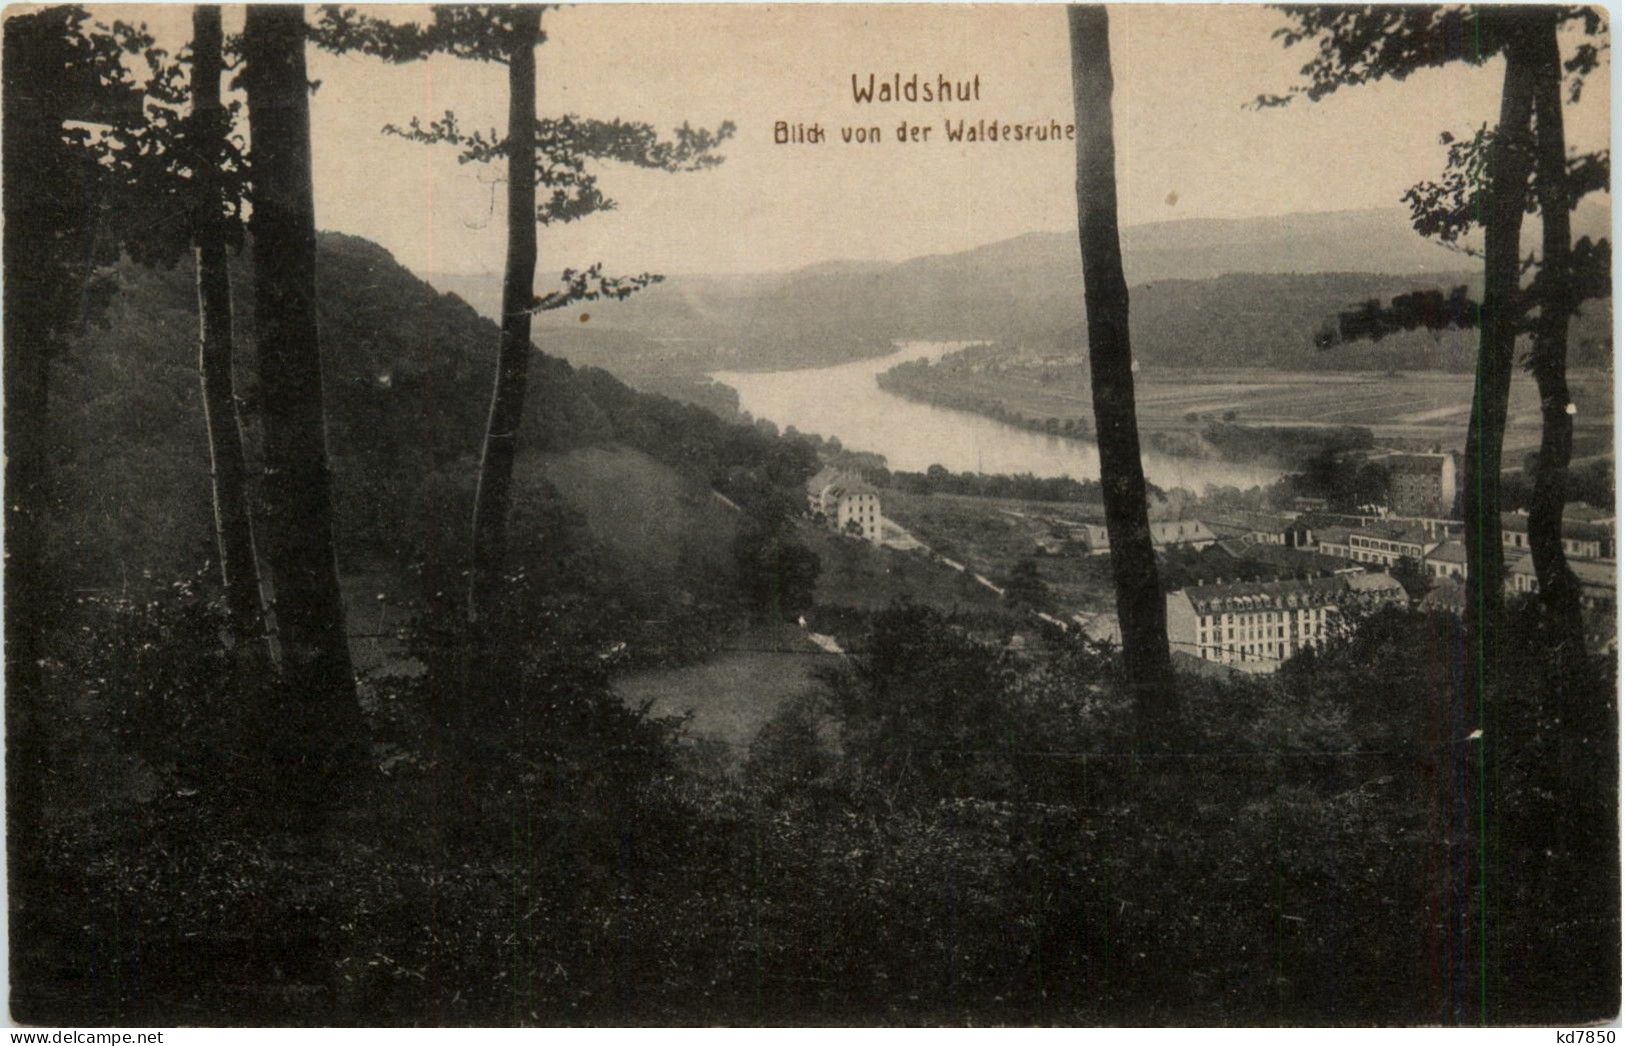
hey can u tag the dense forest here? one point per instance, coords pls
(406, 379)
(1273, 321)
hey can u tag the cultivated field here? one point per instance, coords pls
(1427, 406)
(1409, 408)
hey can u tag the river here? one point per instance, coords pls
(844, 401)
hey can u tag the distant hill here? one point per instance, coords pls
(1271, 319)
(1024, 288)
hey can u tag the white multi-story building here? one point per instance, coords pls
(846, 503)
(1383, 543)
(1253, 626)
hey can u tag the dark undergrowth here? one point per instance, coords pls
(952, 832)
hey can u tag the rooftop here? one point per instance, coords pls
(1364, 584)
(1448, 552)
(1580, 512)
(1242, 596)
(1247, 522)
(1333, 535)
(1447, 593)
(1429, 463)
(829, 476)
(1393, 530)
(1245, 595)
(1588, 571)
(1294, 560)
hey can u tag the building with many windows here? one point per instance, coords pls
(1382, 543)
(1582, 538)
(1421, 484)
(1253, 626)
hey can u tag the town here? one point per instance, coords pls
(1279, 579)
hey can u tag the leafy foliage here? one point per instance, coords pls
(1346, 481)
(165, 687)
(58, 253)
(777, 573)
(1355, 45)
(479, 32)
(1025, 588)
(565, 145)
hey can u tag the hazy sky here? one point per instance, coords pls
(1186, 145)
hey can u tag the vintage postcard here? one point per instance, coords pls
(860, 514)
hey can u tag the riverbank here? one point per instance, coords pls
(846, 402)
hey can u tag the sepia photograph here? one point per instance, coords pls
(810, 515)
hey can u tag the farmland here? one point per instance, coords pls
(1415, 409)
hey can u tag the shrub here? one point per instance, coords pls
(155, 673)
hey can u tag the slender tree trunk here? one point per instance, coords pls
(30, 127)
(299, 515)
(1510, 162)
(1559, 591)
(1141, 609)
(1507, 175)
(492, 492)
(234, 531)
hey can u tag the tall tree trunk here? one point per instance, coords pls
(1559, 591)
(31, 41)
(299, 515)
(234, 531)
(493, 490)
(1141, 609)
(1510, 162)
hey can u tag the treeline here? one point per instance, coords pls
(1024, 487)
(1346, 481)
(760, 472)
(1288, 446)
(937, 479)
(939, 384)
(1591, 483)
(1275, 320)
